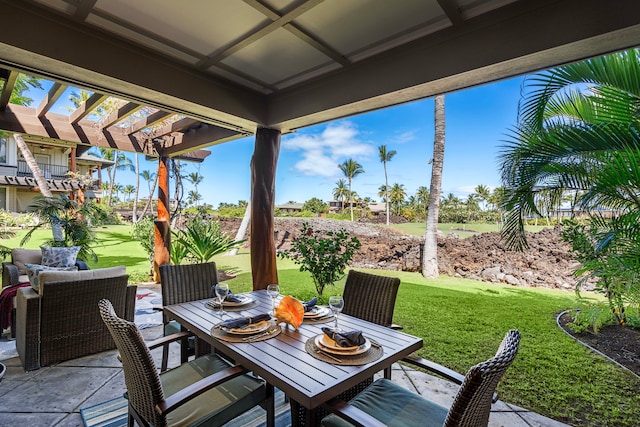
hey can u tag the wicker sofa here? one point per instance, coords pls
(62, 321)
(14, 272)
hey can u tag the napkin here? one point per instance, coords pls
(345, 338)
(230, 297)
(308, 306)
(241, 322)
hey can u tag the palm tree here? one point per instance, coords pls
(341, 191)
(195, 178)
(483, 193)
(430, 254)
(149, 177)
(397, 194)
(386, 156)
(127, 191)
(134, 210)
(350, 168)
(422, 199)
(193, 197)
(578, 130)
(21, 86)
(122, 163)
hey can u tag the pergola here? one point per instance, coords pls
(231, 68)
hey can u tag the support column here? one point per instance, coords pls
(162, 230)
(263, 173)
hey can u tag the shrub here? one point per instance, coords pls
(324, 256)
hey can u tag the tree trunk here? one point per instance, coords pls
(56, 228)
(386, 190)
(242, 231)
(350, 200)
(430, 253)
(149, 200)
(134, 216)
(112, 176)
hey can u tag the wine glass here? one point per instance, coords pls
(222, 290)
(273, 291)
(336, 303)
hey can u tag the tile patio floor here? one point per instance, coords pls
(53, 396)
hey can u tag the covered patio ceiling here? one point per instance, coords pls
(229, 67)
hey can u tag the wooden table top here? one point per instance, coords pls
(283, 360)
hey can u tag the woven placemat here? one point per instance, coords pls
(313, 320)
(371, 355)
(248, 306)
(273, 331)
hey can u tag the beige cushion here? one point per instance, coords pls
(20, 257)
(99, 273)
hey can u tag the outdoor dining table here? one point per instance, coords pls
(284, 361)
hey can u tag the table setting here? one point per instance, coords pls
(247, 329)
(230, 301)
(343, 347)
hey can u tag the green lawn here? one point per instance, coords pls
(462, 322)
(463, 230)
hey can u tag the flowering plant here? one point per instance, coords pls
(325, 256)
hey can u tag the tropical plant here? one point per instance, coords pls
(195, 178)
(350, 168)
(579, 132)
(143, 231)
(127, 191)
(324, 255)
(430, 253)
(385, 157)
(203, 239)
(397, 194)
(73, 220)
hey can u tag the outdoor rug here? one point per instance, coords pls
(113, 413)
(145, 316)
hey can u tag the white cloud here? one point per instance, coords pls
(321, 153)
(405, 137)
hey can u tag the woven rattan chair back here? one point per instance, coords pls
(190, 282)
(370, 297)
(472, 405)
(140, 375)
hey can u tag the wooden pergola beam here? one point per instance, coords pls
(7, 89)
(176, 126)
(150, 120)
(119, 114)
(20, 119)
(193, 139)
(50, 98)
(86, 107)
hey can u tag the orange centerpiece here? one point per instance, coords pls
(290, 311)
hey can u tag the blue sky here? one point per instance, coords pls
(478, 121)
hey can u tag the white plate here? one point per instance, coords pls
(255, 328)
(243, 301)
(317, 311)
(324, 343)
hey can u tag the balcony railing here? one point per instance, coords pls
(48, 170)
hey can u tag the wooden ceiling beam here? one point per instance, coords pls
(451, 10)
(150, 120)
(7, 89)
(119, 114)
(83, 10)
(86, 107)
(50, 98)
(259, 34)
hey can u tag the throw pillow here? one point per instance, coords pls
(59, 257)
(34, 270)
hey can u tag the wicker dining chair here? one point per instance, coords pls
(207, 391)
(371, 297)
(184, 283)
(388, 404)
